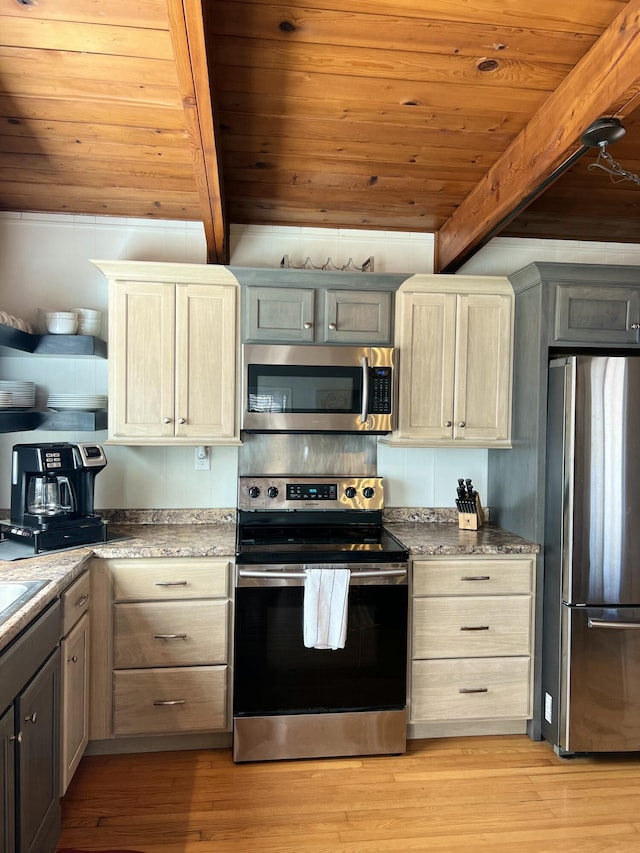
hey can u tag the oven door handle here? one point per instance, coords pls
(249, 573)
(364, 413)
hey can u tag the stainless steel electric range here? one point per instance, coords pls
(293, 700)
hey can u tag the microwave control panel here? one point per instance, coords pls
(380, 391)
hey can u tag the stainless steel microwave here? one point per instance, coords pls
(317, 388)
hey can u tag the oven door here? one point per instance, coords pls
(317, 389)
(275, 674)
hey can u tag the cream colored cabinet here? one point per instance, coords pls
(454, 335)
(164, 647)
(74, 716)
(471, 644)
(172, 353)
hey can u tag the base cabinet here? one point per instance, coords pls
(471, 643)
(30, 732)
(160, 647)
(74, 717)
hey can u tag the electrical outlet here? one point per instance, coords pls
(203, 460)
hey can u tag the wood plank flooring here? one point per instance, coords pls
(500, 794)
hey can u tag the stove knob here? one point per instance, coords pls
(350, 492)
(368, 492)
(254, 492)
(272, 492)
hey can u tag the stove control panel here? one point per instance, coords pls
(321, 493)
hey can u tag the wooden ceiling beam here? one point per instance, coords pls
(187, 33)
(608, 71)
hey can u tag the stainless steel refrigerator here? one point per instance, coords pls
(591, 633)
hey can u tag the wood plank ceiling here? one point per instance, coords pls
(414, 115)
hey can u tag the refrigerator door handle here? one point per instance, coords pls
(603, 623)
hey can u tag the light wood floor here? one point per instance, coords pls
(500, 794)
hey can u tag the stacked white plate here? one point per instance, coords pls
(17, 395)
(79, 402)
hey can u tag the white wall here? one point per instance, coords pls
(44, 263)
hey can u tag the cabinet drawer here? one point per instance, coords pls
(484, 626)
(472, 577)
(75, 602)
(164, 578)
(470, 689)
(170, 700)
(170, 633)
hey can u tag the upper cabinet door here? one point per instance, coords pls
(206, 363)
(597, 315)
(280, 314)
(353, 316)
(427, 325)
(142, 354)
(483, 368)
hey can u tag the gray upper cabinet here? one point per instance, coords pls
(597, 314)
(306, 315)
(353, 316)
(280, 314)
(317, 307)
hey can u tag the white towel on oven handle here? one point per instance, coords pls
(326, 598)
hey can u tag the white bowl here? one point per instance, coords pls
(61, 315)
(62, 325)
(88, 314)
(89, 329)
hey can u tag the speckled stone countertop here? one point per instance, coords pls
(206, 533)
(434, 538)
(138, 540)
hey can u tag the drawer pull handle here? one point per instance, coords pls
(160, 702)
(476, 578)
(474, 627)
(170, 583)
(170, 636)
(473, 690)
(81, 601)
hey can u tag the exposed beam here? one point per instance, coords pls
(609, 71)
(187, 33)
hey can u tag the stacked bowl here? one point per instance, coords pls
(88, 321)
(61, 322)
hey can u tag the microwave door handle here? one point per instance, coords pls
(364, 414)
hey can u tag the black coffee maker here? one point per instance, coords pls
(52, 487)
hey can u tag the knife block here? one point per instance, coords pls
(471, 520)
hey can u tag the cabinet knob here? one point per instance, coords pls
(308, 325)
(73, 659)
(17, 737)
(31, 718)
(448, 423)
(462, 424)
(181, 421)
(166, 420)
(333, 327)
(635, 325)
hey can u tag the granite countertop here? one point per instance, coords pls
(426, 536)
(435, 538)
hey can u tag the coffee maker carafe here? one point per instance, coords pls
(50, 495)
(52, 489)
